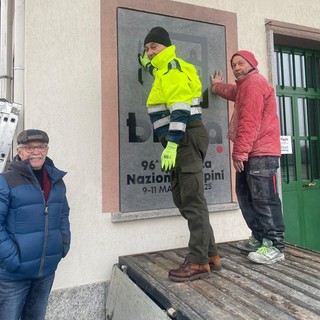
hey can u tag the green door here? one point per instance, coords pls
(298, 97)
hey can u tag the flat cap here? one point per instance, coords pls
(31, 135)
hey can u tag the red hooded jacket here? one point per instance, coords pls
(254, 126)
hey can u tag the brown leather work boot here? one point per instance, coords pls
(215, 263)
(189, 271)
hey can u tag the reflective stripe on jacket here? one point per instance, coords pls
(174, 99)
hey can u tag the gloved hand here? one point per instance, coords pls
(168, 157)
(144, 60)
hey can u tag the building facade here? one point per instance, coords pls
(72, 66)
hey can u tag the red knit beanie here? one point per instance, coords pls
(249, 56)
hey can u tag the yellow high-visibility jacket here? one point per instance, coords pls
(174, 99)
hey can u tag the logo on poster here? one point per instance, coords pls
(141, 130)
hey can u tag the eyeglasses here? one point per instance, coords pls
(31, 149)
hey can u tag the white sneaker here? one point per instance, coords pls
(267, 254)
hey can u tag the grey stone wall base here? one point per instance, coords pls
(85, 302)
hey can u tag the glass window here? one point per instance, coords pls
(303, 116)
(288, 167)
(305, 170)
(285, 113)
(277, 64)
(314, 116)
(310, 72)
(299, 70)
(287, 69)
(298, 103)
(315, 159)
(317, 71)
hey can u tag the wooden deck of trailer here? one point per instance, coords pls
(242, 290)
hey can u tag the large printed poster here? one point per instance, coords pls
(143, 185)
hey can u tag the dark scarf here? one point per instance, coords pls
(44, 181)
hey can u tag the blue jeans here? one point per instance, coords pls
(25, 300)
(259, 201)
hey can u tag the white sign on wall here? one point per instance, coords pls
(286, 145)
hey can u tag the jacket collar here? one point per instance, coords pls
(162, 59)
(24, 168)
(248, 75)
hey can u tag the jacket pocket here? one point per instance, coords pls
(263, 166)
(65, 245)
(12, 262)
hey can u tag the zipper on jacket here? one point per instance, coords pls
(46, 226)
(46, 231)
(44, 243)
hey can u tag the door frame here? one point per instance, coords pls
(292, 35)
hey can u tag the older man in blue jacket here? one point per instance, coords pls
(34, 228)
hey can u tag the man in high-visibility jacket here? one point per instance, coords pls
(174, 109)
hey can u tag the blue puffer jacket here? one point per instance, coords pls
(34, 235)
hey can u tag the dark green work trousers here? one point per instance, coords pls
(188, 192)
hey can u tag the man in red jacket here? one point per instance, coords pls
(254, 130)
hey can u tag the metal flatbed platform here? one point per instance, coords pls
(242, 290)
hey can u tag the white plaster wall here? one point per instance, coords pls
(63, 97)
(251, 15)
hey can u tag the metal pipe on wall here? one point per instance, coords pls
(6, 50)
(12, 55)
(18, 36)
(19, 59)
